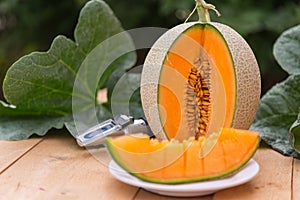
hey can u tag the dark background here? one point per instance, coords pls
(31, 25)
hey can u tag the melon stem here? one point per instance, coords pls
(202, 9)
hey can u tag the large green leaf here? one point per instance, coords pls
(287, 50)
(125, 97)
(15, 124)
(43, 82)
(20, 127)
(279, 107)
(295, 134)
(40, 85)
(277, 111)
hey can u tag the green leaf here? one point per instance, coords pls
(287, 50)
(40, 85)
(102, 114)
(6, 109)
(125, 97)
(43, 82)
(295, 134)
(105, 62)
(277, 111)
(14, 125)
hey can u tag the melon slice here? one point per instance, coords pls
(198, 78)
(173, 162)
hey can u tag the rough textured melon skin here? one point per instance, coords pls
(248, 81)
(248, 77)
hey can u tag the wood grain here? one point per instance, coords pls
(13, 150)
(296, 180)
(145, 195)
(272, 182)
(58, 169)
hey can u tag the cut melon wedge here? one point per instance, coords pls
(228, 72)
(173, 162)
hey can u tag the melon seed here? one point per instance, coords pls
(198, 98)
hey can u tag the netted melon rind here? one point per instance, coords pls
(248, 80)
(151, 74)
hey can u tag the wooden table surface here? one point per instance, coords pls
(54, 167)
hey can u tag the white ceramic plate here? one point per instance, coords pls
(188, 189)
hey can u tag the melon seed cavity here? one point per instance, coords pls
(198, 97)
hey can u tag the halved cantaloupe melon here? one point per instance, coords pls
(175, 162)
(197, 78)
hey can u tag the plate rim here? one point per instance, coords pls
(240, 177)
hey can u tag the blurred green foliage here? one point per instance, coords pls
(30, 25)
(259, 22)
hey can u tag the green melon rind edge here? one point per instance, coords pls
(109, 143)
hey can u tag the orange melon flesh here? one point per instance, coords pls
(173, 162)
(205, 40)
